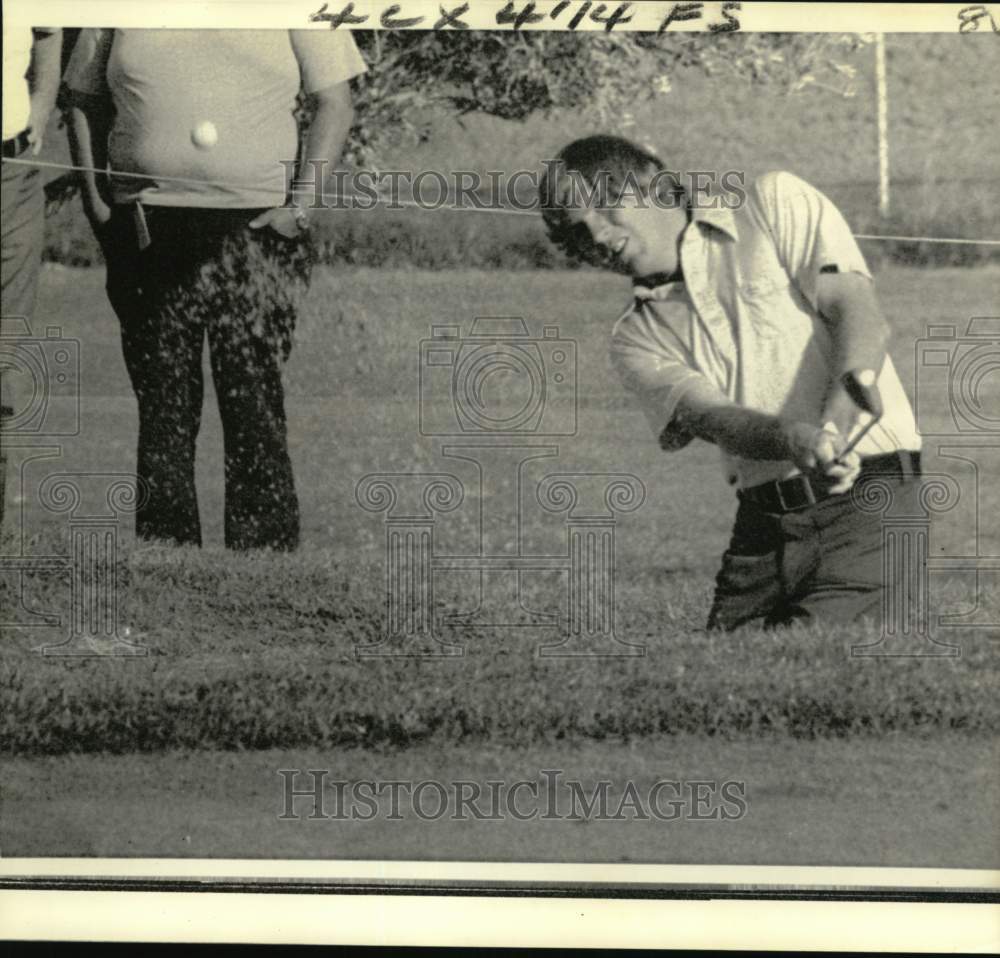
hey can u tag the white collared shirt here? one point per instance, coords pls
(745, 319)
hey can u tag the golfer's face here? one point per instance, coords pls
(635, 234)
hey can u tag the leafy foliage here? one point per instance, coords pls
(515, 75)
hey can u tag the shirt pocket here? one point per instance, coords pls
(766, 304)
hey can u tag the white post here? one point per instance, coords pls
(883, 126)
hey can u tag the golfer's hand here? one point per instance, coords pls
(818, 451)
(281, 219)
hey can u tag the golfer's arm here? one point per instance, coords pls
(89, 126)
(327, 136)
(706, 414)
(859, 333)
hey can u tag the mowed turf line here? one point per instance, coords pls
(259, 652)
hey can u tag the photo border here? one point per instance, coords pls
(416, 903)
(513, 905)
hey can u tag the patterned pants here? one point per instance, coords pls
(206, 274)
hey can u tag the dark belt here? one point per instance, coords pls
(799, 492)
(16, 145)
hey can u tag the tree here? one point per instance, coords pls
(514, 75)
(413, 74)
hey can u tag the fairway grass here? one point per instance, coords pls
(829, 803)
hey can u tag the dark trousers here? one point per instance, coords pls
(23, 225)
(822, 562)
(205, 273)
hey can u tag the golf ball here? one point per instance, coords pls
(204, 135)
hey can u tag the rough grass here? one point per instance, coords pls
(261, 652)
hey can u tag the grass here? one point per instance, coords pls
(259, 651)
(832, 802)
(944, 161)
(444, 240)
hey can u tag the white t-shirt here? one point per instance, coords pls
(745, 319)
(166, 83)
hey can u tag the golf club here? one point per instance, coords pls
(861, 387)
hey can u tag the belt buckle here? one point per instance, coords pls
(803, 483)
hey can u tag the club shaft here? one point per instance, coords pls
(853, 443)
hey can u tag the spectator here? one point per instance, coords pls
(30, 84)
(200, 241)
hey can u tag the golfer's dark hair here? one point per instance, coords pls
(599, 171)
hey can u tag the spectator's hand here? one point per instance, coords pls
(98, 212)
(281, 219)
(818, 451)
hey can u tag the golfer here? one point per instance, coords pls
(743, 323)
(199, 242)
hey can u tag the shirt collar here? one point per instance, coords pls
(720, 218)
(707, 221)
